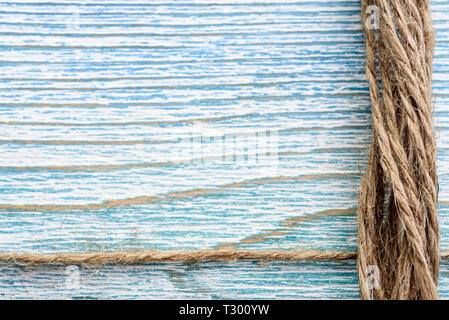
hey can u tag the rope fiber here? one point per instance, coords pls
(193, 256)
(398, 229)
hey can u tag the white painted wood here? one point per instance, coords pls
(108, 100)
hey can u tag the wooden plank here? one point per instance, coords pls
(146, 109)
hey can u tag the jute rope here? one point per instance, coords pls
(152, 256)
(130, 257)
(397, 215)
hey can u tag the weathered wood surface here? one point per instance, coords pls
(102, 102)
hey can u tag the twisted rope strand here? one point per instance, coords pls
(397, 214)
(156, 256)
(130, 257)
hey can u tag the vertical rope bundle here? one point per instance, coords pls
(398, 232)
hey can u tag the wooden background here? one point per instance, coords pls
(148, 110)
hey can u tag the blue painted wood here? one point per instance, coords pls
(116, 100)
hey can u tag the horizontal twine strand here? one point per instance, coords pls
(187, 256)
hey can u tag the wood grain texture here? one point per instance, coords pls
(123, 105)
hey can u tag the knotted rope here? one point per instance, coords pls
(397, 215)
